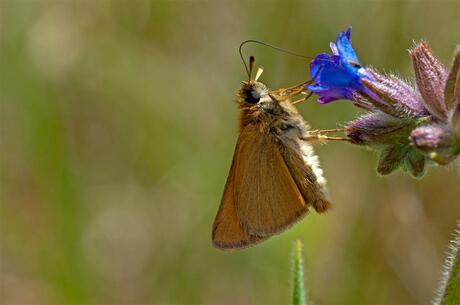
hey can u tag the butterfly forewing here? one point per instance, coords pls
(267, 198)
(228, 232)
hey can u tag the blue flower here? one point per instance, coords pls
(408, 126)
(339, 75)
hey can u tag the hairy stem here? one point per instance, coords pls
(448, 292)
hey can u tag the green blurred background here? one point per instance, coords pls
(117, 132)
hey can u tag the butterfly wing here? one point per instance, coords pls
(304, 168)
(227, 232)
(267, 198)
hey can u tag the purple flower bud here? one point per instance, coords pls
(439, 142)
(375, 128)
(401, 98)
(361, 101)
(452, 89)
(389, 135)
(431, 77)
(431, 137)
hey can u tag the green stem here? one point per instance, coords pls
(299, 294)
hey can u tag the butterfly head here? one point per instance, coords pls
(254, 94)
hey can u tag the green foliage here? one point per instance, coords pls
(299, 293)
(449, 287)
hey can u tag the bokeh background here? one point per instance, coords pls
(117, 131)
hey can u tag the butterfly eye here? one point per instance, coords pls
(252, 97)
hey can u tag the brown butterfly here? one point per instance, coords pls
(275, 175)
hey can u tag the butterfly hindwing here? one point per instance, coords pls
(304, 168)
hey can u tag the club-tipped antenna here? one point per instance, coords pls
(249, 71)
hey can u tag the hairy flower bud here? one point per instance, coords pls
(399, 96)
(452, 89)
(375, 128)
(431, 77)
(431, 137)
(452, 93)
(438, 142)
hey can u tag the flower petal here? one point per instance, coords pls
(317, 88)
(318, 63)
(327, 99)
(337, 76)
(329, 94)
(345, 49)
(327, 72)
(334, 48)
(348, 33)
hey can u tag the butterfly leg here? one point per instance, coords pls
(317, 135)
(330, 130)
(327, 138)
(322, 138)
(299, 101)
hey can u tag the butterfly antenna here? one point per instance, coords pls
(248, 70)
(244, 62)
(251, 67)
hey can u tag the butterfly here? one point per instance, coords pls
(275, 176)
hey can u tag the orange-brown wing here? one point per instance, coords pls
(227, 232)
(304, 168)
(267, 198)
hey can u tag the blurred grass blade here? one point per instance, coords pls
(449, 287)
(299, 294)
